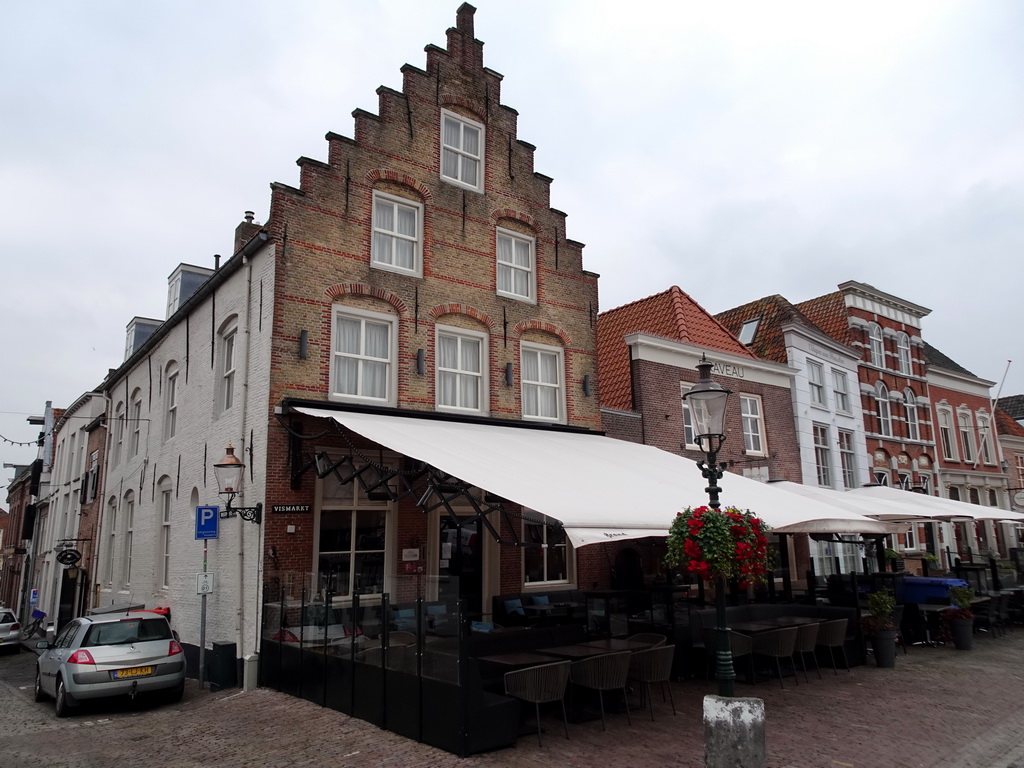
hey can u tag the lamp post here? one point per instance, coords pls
(228, 472)
(707, 400)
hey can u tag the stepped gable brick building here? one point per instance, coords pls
(647, 353)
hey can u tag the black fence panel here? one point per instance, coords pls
(338, 680)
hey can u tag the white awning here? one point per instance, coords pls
(937, 507)
(876, 508)
(598, 487)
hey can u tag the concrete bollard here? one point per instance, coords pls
(734, 733)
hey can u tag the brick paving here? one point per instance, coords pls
(939, 708)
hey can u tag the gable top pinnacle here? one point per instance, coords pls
(462, 43)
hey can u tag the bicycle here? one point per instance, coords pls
(29, 630)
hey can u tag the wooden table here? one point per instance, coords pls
(577, 651)
(518, 658)
(794, 621)
(752, 627)
(610, 644)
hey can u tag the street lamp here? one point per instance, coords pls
(707, 400)
(228, 472)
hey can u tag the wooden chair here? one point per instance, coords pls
(607, 672)
(778, 644)
(806, 642)
(653, 665)
(832, 635)
(540, 685)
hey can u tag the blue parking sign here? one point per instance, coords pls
(207, 522)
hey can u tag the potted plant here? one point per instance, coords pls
(960, 618)
(880, 628)
(894, 559)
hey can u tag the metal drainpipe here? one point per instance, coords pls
(240, 614)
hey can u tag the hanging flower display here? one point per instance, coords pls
(727, 542)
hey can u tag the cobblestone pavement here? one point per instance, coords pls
(938, 708)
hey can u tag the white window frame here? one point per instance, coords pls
(390, 383)
(545, 525)
(747, 331)
(816, 383)
(461, 336)
(689, 432)
(903, 353)
(947, 435)
(822, 454)
(165, 537)
(910, 408)
(876, 345)
(883, 410)
(381, 236)
(841, 391)
(228, 364)
(882, 477)
(129, 531)
(460, 153)
(847, 458)
(117, 438)
(906, 480)
(135, 441)
(511, 268)
(171, 401)
(111, 540)
(527, 385)
(985, 452)
(753, 425)
(965, 427)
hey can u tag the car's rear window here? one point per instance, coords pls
(6, 617)
(127, 631)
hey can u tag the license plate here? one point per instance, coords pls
(120, 674)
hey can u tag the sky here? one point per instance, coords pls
(735, 149)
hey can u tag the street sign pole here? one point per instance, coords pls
(207, 521)
(202, 625)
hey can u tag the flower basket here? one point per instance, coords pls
(726, 543)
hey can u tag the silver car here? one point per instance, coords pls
(112, 655)
(10, 631)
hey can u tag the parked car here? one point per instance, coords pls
(111, 655)
(10, 631)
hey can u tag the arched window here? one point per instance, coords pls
(227, 353)
(903, 351)
(966, 426)
(910, 404)
(985, 439)
(117, 436)
(946, 440)
(135, 424)
(877, 345)
(171, 401)
(882, 409)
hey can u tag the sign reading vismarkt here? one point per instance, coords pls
(207, 522)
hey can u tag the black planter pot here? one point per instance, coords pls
(884, 644)
(963, 633)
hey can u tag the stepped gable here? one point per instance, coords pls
(829, 313)
(672, 314)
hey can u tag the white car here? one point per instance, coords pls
(10, 631)
(111, 655)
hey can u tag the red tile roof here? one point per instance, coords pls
(671, 314)
(828, 312)
(1006, 425)
(768, 342)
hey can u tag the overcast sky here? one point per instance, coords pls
(736, 150)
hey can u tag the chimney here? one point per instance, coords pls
(246, 231)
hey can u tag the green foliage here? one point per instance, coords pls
(881, 605)
(891, 554)
(729, 542)
(961, 597)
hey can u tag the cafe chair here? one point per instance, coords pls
(778, 644)
(832, 635)
(653, 639)
(607, 672)
(806, 642)
(401, 638)
(540, 685)
(741, 646)
(653, 665)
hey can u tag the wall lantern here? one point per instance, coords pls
(228, 472)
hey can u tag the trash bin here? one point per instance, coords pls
(221, 668)
(917, 589)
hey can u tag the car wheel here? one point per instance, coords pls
(174, 695)
(62, 701)
(37, 692)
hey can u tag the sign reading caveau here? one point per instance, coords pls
(290, 509)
